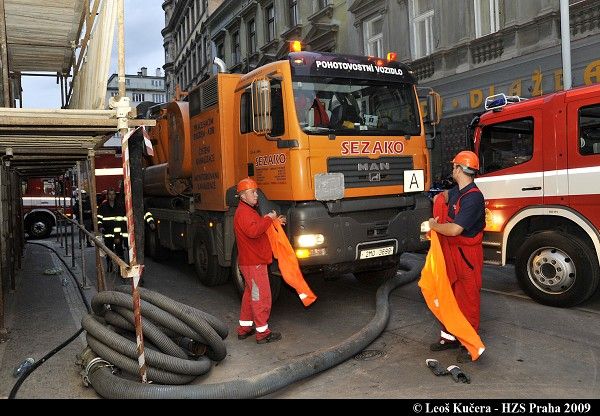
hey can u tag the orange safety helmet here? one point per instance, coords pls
(467, 159)
(245, 184)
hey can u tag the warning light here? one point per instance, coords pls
(295, 46)
(379, 62)
(391, 56)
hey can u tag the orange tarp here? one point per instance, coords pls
(440, 299)
(288, 263)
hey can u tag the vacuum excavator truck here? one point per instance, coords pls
(336, 143)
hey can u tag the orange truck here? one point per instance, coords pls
(335, 142)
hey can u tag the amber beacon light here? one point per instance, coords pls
(295, 46)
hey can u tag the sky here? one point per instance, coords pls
(144, 19)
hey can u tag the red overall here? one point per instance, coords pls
(254, 254)
(464, 262)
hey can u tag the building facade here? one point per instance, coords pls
(465, 50)
(244, 34)
(140, 87)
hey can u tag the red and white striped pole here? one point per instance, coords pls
(135, 270)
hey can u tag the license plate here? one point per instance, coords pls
(376, 252)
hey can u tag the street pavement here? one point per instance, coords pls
(532, 350)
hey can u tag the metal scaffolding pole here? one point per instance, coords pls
(79, 184)
(91, 165)
(123, 109)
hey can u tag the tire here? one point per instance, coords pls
(557, 269)
(377, 276)
(208, 269)
(39, 226)
(152, 246)
(239, 283)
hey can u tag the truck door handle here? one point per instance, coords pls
(533, 188)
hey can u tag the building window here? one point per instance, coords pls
(158, 98)
(270, 13)
(251, 36)
(373, 36)
(321, 4)
(138, 97)
(127, 81)
(422, 27)
(207, 51)
(235, 47)
(487, 17)
(293, 12)
(220, 50)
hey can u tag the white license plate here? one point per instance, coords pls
(376, 252)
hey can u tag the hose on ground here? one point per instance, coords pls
(111, 386)
(167, 362)
(27, 373)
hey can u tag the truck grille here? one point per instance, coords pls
(360, 172)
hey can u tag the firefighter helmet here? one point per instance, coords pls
(467, 159)
(245, 184)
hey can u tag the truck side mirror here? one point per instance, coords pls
(261, 106)
(434, 108)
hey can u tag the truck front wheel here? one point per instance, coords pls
(208, 269)
(557, 269)
(240, 284)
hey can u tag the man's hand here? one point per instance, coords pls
(433, 223)
(272, 215)
(281, 219)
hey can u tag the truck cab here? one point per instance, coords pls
(540, 160)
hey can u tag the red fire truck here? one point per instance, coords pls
(42, 196)
(540, 175)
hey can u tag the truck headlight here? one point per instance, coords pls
(309, 240)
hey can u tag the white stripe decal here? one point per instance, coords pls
(109, 171)
(563, 182)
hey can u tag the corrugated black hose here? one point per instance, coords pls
(108, 385)
(35, 365)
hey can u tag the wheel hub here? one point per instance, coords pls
(551, 270)
(39, 227)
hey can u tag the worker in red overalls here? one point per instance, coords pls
(254, 256)
(459, 219)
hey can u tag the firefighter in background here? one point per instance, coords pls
(460, 220)
(112, 223)
(254, 256)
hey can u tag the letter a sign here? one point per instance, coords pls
(414, 181)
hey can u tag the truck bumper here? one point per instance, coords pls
(359, 234)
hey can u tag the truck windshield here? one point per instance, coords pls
(354, 107)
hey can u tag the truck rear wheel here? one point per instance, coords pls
(240, 284)
(39, 225)
(208, 269)
(557, 269)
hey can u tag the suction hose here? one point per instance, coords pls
(100, 376)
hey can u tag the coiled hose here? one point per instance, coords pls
(167, 362)
(100, 376)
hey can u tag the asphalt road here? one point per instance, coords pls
(532, 351)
